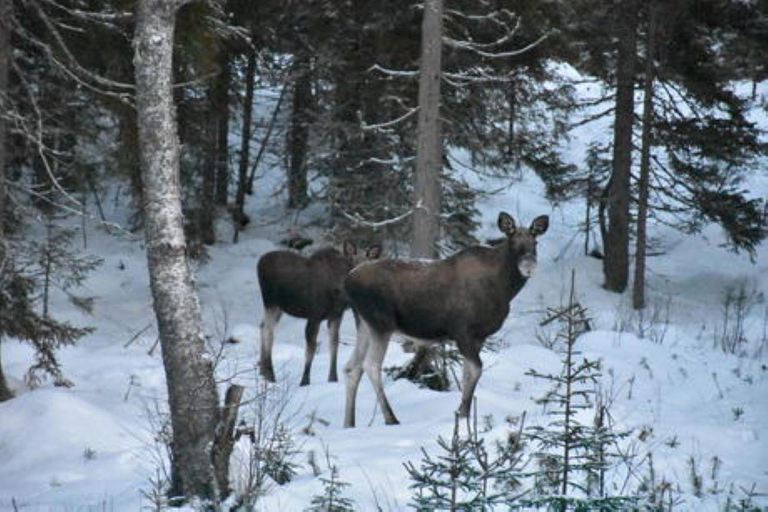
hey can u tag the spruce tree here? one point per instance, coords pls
(572, 456)
(465, 474)
(332, 499)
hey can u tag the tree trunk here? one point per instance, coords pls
(245, 144)
(208, 192)
(616, 243)
(298, 134)
(429, 158)
(5, 60)
(192, 391)
(638, 291)
(221, 113)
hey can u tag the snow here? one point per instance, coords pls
(94, 446)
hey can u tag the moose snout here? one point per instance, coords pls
(527, 265)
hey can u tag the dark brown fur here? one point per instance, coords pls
(305, 287)
(465, 298)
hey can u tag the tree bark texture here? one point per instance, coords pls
(221, 113)
(208, 192)
(192, 391)
(225, 439)
(429, 158)
(638, 290)
(616, 262)
(245, 143)
(5, 61)
(298, 134)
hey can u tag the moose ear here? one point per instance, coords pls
(506, 223)
(539, 225)
(373, 252)
(349, 248)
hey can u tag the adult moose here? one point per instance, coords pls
(306, 287)
(464, 298)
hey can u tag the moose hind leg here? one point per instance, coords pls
(334, 324)
(271, 317)
(313, 326)
(354, 370)
(372, 365)
(473, 368)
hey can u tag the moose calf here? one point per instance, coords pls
(464, 298)
(306, 287)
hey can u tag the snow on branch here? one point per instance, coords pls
(359, 221)
(493, 17)
(107, 18)
(72, 67)
(394, 72)
(393, 122)
(478, 49)
(110, 226)
(391, 161)
(508, 35)
(476, 76)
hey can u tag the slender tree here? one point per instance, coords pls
(220, 100)
(245, 143)
(5, 60)
(638, 286)
(429, 156)
(192, 390)
(616, 236)
(298, 132)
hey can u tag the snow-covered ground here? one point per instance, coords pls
(93, 446)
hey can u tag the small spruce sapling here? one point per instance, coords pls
(573, 457)
(332, 499)
(465, 475)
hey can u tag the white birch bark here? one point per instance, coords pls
(192, 391)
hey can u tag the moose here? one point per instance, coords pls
(464, 298)
(306, 287)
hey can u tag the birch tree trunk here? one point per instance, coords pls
(192, 391)
(616, 242)
(429, 158)
(5, 60)
(638, 290)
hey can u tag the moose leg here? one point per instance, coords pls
(271, 317)
(354, 370)
(372, 366)
(473, 368)
(313, 326)
(334, 324)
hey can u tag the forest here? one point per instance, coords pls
(152, 152)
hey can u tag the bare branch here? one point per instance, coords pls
(105, 18)
(393, 122)
(359, 221)
(69, 209)
(477, 49)
(394, 72)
